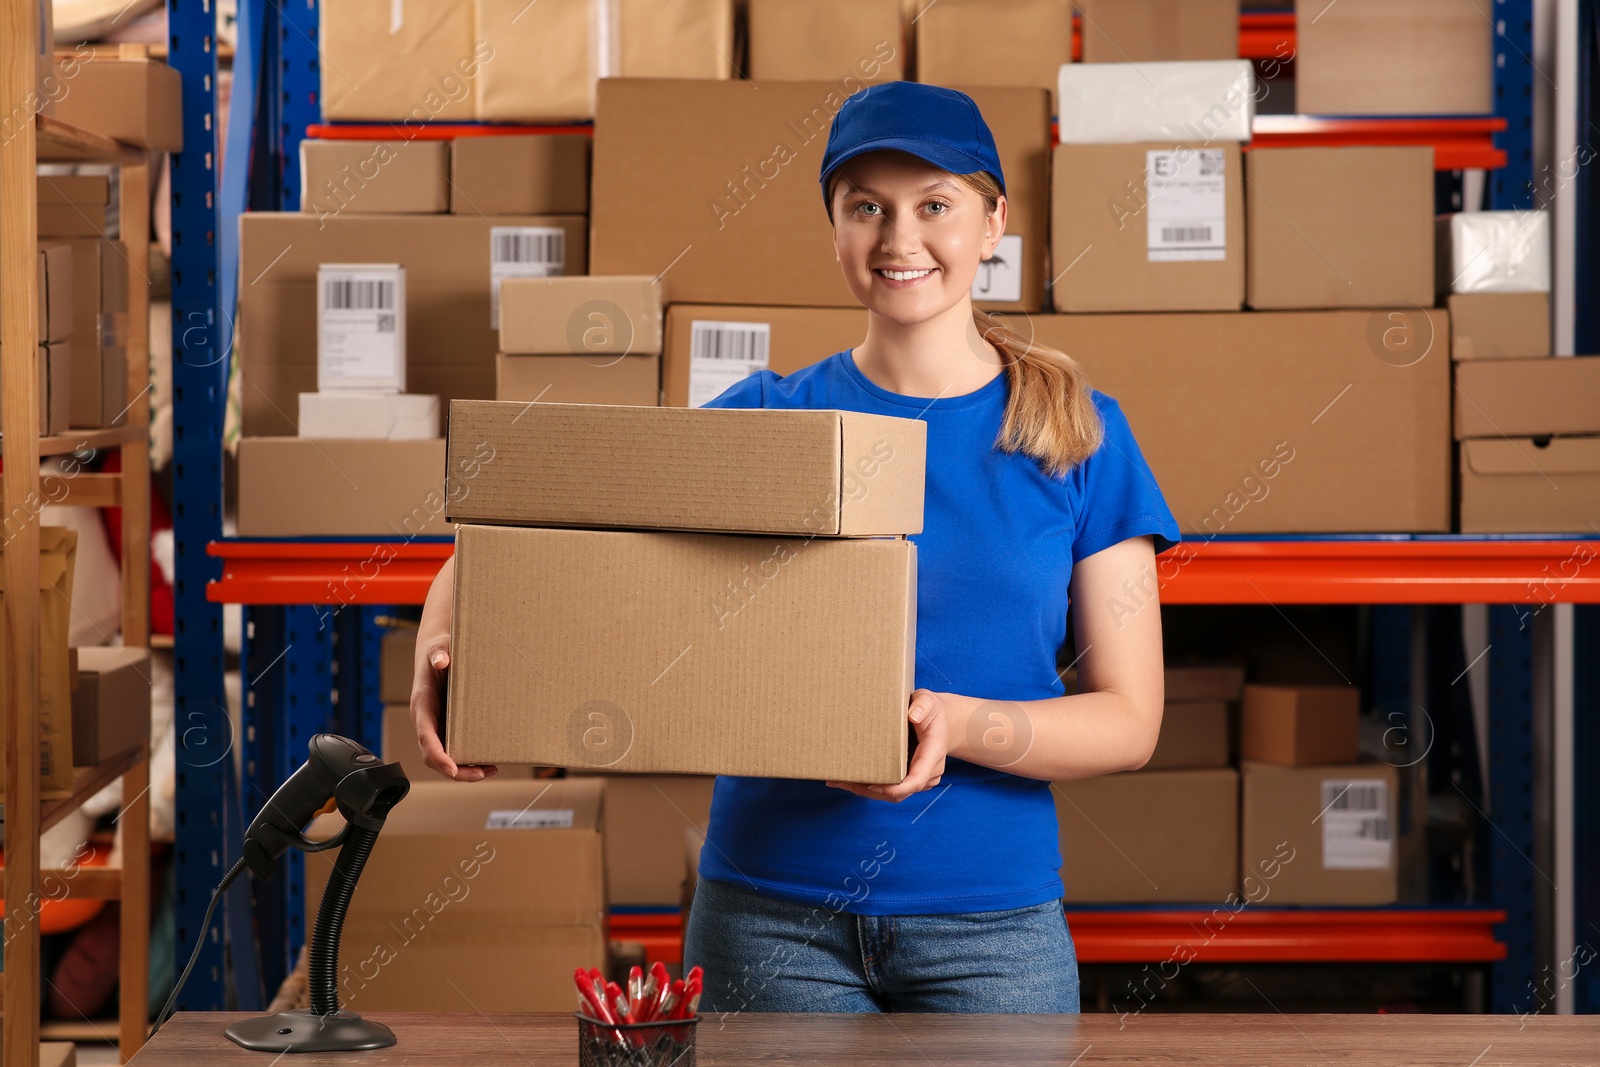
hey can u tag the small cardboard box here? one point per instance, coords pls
(647, 816)
(293, 487)
(72, 205)
(813, 473)
(412, 61)
(1150, 836)
(978, 42)
(1194, 733)
(683, 653)
(55, 384)
(374, 177)
(1340, 227)
(537, 174)
(1141, 31)
(1522, 485)
(56, 311)
(1499, 325)
(130, 98)
(1300, 725)
(1527, 397)
(710, 347)
(1393, 57)
(480, 898)
(396, 664)
(99, 332)
(1331, 829)
(111, 706)
(630, 380)
(582, 315)
(369, 416)
(1147, 227)
(814, 40)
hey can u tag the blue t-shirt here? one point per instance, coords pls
(994, 559)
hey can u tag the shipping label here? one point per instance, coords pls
(1186, 205)
(724, 353)
(523, 252)
(1356, 832)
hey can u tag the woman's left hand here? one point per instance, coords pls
(930, 715)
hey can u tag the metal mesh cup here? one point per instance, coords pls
(665, 1043)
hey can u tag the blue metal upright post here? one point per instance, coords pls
(1586, 803)
(1512, 186)
(1513, 877)
(299, 101)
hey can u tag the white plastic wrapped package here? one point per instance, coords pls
(1126, 103)
(1495, 252)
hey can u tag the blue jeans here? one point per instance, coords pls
(761, 954)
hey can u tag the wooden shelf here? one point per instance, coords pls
(59, 142)
(62, 444)
(86, 782)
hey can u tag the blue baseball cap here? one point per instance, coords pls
(938, 125)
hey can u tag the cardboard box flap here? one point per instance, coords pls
(1523, 457)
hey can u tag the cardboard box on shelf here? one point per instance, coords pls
(99, 332)
(1522, 485)
(561, 656)
(481, 898)
(374, 177)
(450, 341)
(56, 310)
(587, 314)
(1300, 725)
(55, 381)
(693, 39)
(972, 42)
(1139, 31)
(1147, 227)
(1493, 252)
(369, 416)
(1393, 57)
(361, 327)
(399, 745)
(711, 347)
(1325, 835)
(111, 706)
(1338, 420)
(630, 380)
(396, 656)
(537, 174)
(810, 473)
(1527, 397)
(647, 816)
(130, 98)
(1209, 101)
(72, 205)
(411, 61)
(815, 40)
(1151, 836)
(1194, 733)
(1499, 325)
(1340, 227)
(292, 487)
(58, 548)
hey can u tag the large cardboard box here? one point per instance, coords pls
(812, 473)
(742, 221)
(1151, 836)
(130, 98)
(710, 347)
(1340, 227)
(1522, 485)
(58, 548)
(586, 314)
(111, 706)
(1194, 733)
(450, 338)
(683, 653)
(1394, 57)
(480, 898)
(1147, 227)
(815, 40)
(538, 174)
(978, 42)
(1338, 420)
(647, 817)
(1499, 325)
(1332, 829)
(1300, 725)
(72, 205)
(1139, 31)
(415, 61)
(374, 177)
(1528, 397)
(294, 487)
(631, 380)
(99, 332)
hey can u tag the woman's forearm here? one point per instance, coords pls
(1061, 738)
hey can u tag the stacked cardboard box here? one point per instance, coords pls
(127, 96)
(816, 40)
(1393, 57)
(1142, 31)
(53, 323)
(973, 42)
(110, 702)
(582, 340)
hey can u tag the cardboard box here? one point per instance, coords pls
(1188, 684)
(1337, 420)
(1340, 227)
(1499, 325)
(1394, 57)
(450, 342)
(976, 42)
(631, 380)
(1493, 252)
(1153, 836)
(99, 332)
(399, 745)
(815, 40)
(1300, 725)
(292, 487)
(1194, 733)
(683, 653)
(55, 385)
(1331, 829)
(742, 221)
(1522, 485)
(710, 347)
(1527, 397)
(1147, 227)
(647, 816)
(481, 898)
(587, 314)
(374, 177)
(693, 39)
(396, 662)
(111, 706)
(811, 473)
(541, 174)
(130, 98)
(72, 205)
(1139, 31)
(1212, 102)
(361, 327)
(55, 317)
(369, 416)
(413, 61)
(58, 547)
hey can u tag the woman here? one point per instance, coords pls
(940, 893)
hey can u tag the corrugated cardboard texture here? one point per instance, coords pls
(631, 380)
(1326, 430)
(1167, 836)
(815, 473)
(1194, 733)
(1279, 807)
(978, 42)
(374, 177)
(683, 653)
(1099, 230)
(1394, 57)
(412, 60)
(1519, 485)
(1528, 397)
(799, 338)
(293, 487)
(588, 314)
(1139, 31)
(1300, 725)
(1340, 227)
(814, 40)
(135, 101)
(399, 745)
(543, 174)
(450, 345)
(1499, 325)
(451, 916)
(111, 706)
(646, 818)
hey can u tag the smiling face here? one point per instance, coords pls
(909, 236)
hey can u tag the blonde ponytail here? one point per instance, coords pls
(1050, 415)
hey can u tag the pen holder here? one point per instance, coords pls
(664, 1043)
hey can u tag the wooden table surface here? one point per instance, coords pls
(535, 1040)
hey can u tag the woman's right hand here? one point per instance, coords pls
(429, 681)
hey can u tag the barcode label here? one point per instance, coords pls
(358, 294)
(1186, 205)
(361, 328)
(1357, 832)
(724, 353)
(523, 252)
(530, 819)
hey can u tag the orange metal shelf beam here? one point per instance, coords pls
(326, 572)
(1458, 143)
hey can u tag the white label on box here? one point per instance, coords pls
(530, 819)
(1356, 834)
(724, 353)
(1186, 204)
(1000, 277)
(358, 339)
(523, 252)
